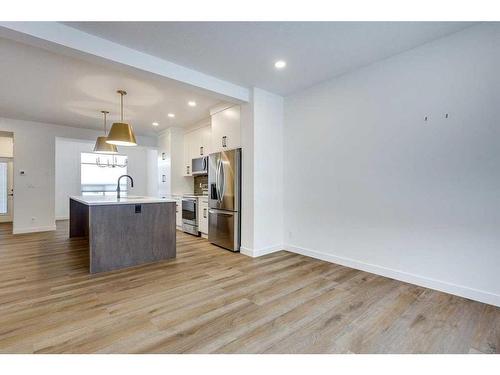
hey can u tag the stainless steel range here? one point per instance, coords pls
(190, 215)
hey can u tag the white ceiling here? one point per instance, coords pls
(40, 85)
(244, 52)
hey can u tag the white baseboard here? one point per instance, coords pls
(62, 217)
(260, 252)
(442, 286)
(47, 228)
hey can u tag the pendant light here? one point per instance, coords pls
(121, 134)
(101, 147)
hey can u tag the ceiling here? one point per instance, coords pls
(40, 85)
(244, 52)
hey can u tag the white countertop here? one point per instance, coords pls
(98, 200)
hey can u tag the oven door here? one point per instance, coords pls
(189, 211)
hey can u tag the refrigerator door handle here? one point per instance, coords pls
(219, 185)
(219, 213)
(223, 181)
(217, 181)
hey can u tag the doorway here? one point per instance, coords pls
(6, 190)
(6, 177)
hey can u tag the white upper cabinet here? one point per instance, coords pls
(196, 145)
(205, 141)
(200, 142)
(223, 133)
(226, 129)
(187, 154)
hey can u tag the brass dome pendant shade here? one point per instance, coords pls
(121, 134)
(101, 147)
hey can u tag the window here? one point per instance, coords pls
(97, 178)
(3, 188)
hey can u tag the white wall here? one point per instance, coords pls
(141, 166)
(268, 172)
(247, 180)
(370, 184)
(262, 180)
(34, 152)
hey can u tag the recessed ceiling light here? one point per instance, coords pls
(171, 115)
(192, 103)
(280, 64)
(155, 124)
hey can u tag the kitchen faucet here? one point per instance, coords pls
(118, 190)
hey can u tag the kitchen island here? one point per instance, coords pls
(124, 232)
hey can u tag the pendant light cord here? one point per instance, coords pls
(121, 92)
(121, 101)
(105, 113)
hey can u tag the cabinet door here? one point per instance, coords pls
(203, 215)
(195, 141)
(200, 142)
(163, 165)
(232, 130)
(187, 154)
(178, 213)
(226, 129)
(205, 138)
(217, 131)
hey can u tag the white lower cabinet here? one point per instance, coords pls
(178, 212)
(203, 215)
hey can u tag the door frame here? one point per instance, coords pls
(9, 218)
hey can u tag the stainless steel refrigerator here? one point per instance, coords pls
(224, 200)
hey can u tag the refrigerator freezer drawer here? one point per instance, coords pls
(224, 229)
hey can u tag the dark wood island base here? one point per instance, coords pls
(124, 234)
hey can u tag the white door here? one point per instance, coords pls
(6, 189)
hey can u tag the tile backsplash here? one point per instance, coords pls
(200, 184)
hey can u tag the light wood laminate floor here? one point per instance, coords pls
(209, 300)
